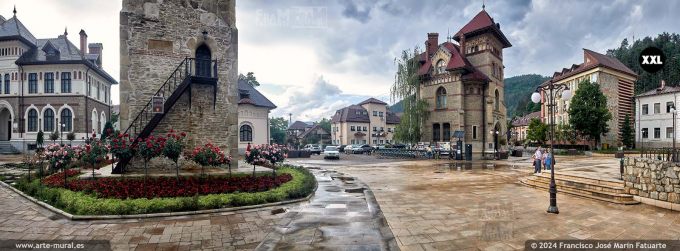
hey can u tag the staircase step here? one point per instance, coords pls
(580, 190)
(582, 184)
(586, 179)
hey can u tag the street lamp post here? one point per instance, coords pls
(642, 142)
(536, 98)
(494, 134)
(673, 111)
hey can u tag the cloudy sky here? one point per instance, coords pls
(313, 57)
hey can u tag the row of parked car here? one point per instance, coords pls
(334, 151)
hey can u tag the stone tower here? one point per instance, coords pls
(463, 85)
(482, 43)
(185, 51)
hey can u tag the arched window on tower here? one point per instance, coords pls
(246, 133)
(441, 68)
(203, 61)
(498, 101)
(441, 98)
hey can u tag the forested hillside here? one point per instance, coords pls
(670, 45)
(518, 90)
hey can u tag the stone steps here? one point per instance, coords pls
(7, 148)
(598, 189)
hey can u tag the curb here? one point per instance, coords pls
(154, 215)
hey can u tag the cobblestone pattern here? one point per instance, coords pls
(652, 179)
(243, 230)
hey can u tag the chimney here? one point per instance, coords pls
(462, 45)
(83, 42)
(96, 48)
(432, 43)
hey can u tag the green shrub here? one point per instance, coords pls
(80, 203)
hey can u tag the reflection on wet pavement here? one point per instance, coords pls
(342, 215)
(442, 205)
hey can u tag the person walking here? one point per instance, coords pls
(538, 159)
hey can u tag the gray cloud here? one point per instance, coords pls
(320, 99)
(362, 38)
(352, 11)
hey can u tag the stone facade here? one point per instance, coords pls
(155, 37)
(463, 86)
(616, 82)
(653, 179)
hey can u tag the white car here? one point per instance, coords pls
(313, 148)
(331, 152)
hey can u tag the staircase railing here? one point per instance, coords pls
(188, 67)
(146, 120)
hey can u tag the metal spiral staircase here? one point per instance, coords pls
(189, 71)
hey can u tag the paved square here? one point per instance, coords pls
(435, 205)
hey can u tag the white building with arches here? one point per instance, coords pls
(253, 116)
(49, 85)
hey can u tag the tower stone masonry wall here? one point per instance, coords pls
(155, 37)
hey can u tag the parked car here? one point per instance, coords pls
(381, 146)
(349, 149)
(313, 148)
(331, 152)
(362, 148)
(341, 148)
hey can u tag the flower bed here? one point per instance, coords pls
(301, 184)
(164, 187)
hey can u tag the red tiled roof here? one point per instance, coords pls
(476, 75)
(596, 60)
(482, 21)
(457, 61)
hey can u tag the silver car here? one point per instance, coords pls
(331, 152)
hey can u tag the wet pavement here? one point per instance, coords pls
(343, 215)
(439, 205)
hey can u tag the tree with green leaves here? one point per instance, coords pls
(107, 131)
(114, 117)
(627, 137)
(325, 124)
(406, 88)
(277, 130)
(537, 131)
(588, 111)
(250, 78)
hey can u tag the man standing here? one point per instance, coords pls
(538, 159)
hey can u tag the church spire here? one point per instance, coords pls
(15, 10)
(483, 5)
(65, 31)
